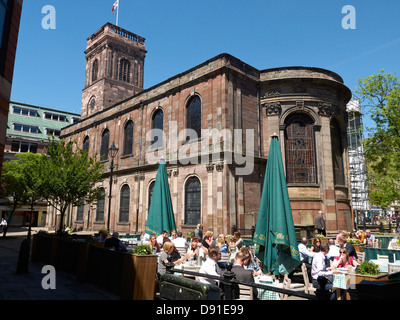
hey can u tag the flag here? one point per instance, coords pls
(115, 5)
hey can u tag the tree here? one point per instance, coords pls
(69, 175)
(381, 92)
(20, 180)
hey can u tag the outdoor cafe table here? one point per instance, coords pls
(383, 264)
(371, 253)
(266, 294)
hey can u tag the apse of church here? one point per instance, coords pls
(216, 168)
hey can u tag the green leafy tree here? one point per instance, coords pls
(21, 181)
(69, 175)
(380, 93)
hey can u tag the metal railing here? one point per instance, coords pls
(229, 281)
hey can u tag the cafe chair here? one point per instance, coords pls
(392, 268)
(225, 257)
(287, 284)
(182, 251)
(308, 286)
(360, 256)
(382, 257)
(245, 292)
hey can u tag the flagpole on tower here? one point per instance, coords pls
(117, 12)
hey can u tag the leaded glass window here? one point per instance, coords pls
(85, 146)
(193, 114)
(105, 144)
(300, 149)
(100, 207)
(124, 204)
(128, 138)
(151, 188)
(158, 123)
(192, 201)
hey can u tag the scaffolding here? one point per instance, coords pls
(358, 176)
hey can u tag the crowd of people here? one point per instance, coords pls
(205, 251)
(325, 259)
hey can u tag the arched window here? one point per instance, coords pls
(124, 70)
(95, 70)
(337, 153)
(85, 146)
(105, 144)
(124, 204)
(300, 149)
(100, 207)
(192, 201)
(80, 210)
(193, 116)
(151, 188)
(128, 138)
(158, 123)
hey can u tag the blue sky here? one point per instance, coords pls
(180, 34)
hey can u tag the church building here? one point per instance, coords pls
(213, 125)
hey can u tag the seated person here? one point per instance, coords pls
(305, 254)
(344, 260)
(334, 250)
(344, 244)
(193, 252)
(179, 240)
(168, 249)
(242, 274)
(361, 236)
(210, 266)
(315, 247)
(249, 263)
(319, 273)
(115, 243)
(103, 236)
(370, 236)
(153, 244)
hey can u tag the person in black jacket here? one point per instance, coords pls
(242, 274)
(342, 241)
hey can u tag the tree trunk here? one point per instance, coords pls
(9, 219)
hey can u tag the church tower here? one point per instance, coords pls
(114, 68)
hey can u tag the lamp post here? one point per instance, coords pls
(112, 151)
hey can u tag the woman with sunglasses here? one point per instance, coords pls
(344, 260)
(316, 246)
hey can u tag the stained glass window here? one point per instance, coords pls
(300, 149)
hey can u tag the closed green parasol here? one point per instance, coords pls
(275, 231)
(161, 214)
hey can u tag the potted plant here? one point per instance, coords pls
(140, 276)
(367, 271)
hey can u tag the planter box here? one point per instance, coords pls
(139, 277)
(357, 278)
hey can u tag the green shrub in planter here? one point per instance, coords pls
(367, 268)
(142, 250)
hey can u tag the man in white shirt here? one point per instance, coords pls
(334, 250)
(160, 238)
(305, 254)
(319, 273)
(210, 266)
(180, 241)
